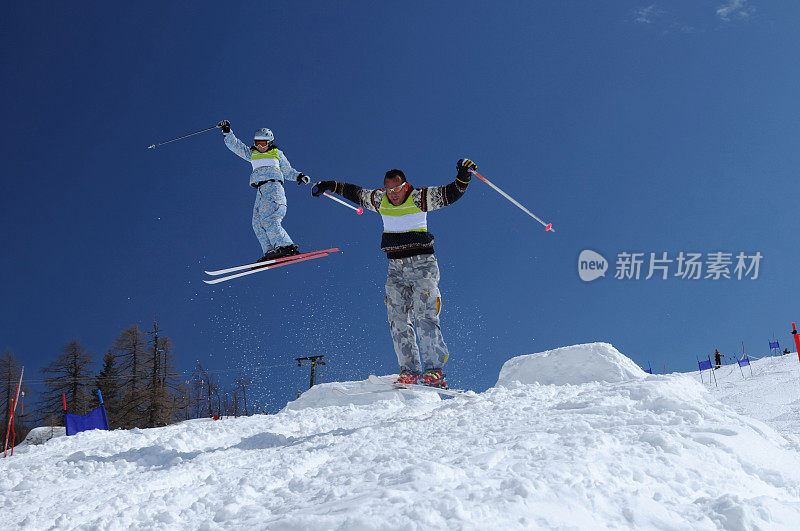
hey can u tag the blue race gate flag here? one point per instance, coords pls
(774, 345)
(742, 362)
(705, 364)
(94, 420)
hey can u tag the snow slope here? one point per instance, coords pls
(768, 390)
(633, 451)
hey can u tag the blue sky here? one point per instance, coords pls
(632, 126)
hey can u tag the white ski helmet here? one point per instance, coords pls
(264, 134)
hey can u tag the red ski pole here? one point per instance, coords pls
(8, 429)
(796, 340)
(13, 432)
(358, 210)
(13, 407)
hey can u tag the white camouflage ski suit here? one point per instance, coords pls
(270, 170)
(412, 282)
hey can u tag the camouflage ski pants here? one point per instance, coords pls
(412, 292)
(268, 213)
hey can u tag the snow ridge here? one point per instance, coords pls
(650, 451)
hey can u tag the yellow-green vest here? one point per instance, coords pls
(406, 217)
(268, 158)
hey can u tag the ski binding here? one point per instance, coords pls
(378, 380)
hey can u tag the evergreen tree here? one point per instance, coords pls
(109, 382)
(129, 349)
(148, 383)
(210, 402)
(70, 375)
(197, 392)
(155, 389)
(162, 389)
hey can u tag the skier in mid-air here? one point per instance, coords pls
(412, 284)
(270, 169)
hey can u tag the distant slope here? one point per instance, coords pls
(769, 392)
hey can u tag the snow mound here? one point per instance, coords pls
(574, 365)
(358, 393)
(42, 434)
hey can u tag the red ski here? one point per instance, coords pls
(249, 269)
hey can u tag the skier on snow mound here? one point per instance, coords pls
(270, 169)
(413, 278)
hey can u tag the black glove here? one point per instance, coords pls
(225, 125)
(463, 166)
(323, 186)
(303, 179)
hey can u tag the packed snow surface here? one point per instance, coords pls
(356, 393)
(616, 450)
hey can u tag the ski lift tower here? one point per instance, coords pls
(315, 360)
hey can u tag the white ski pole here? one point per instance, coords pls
(180, 137)
(547, 226)
(359, 210)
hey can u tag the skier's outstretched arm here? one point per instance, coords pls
(233, 143)
(290, 173)
(436, 197)
(365, 197)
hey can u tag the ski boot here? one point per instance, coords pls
(433, 378)
(408, 377)
(279, 252)
(269, 255)
(286, 250)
